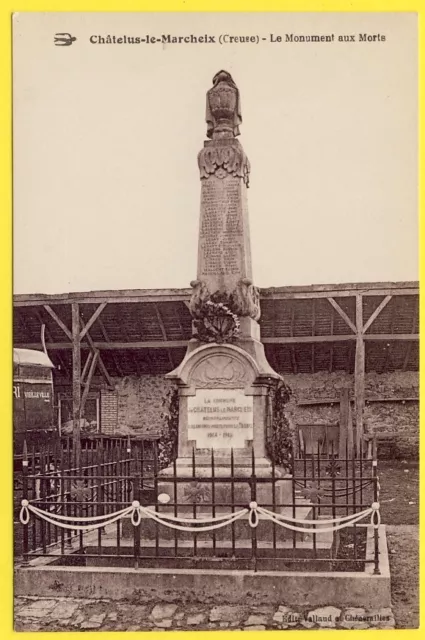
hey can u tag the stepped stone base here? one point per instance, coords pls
(237, 491)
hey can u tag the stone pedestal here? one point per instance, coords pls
(223, 409)
(223, 394)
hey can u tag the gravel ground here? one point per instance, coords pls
(403, 546)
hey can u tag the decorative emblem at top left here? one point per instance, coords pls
(63, 39)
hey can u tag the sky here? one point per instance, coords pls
(106, 137)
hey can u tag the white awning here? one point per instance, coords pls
(32, 357)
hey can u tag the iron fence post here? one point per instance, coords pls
(232, 497)
(156, 471)
(25, 497)
(213, 498)
(136, 496)
(194, 511)
(253, 499)
(376, 569)
(176, 538)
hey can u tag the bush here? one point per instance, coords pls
(167, 445)
(279, 444)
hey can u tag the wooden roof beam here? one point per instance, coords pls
(183, 295)
(93, 319)
(343, 315)
(179, 344)
(100, 362)
(88, 382)
(113, 296)
(164, 335)
(110, 346)
(177, 316)
(86, 366)
(386, 362)
(58, 321)
(346, 293)
(376, 313)
(105, 335)
(307, 339)
(313, 331)
(331, 352)
(409, 347)
(391, 336)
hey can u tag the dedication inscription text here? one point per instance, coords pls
(220, 418)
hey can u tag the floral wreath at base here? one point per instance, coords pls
(217, 324)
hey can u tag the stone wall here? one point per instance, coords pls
(138, 405)
(139, 402)
(396, 412)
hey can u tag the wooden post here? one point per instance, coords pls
(359, 372)
(88, 383)
(76, 384)
(344, 408)
(350, 435)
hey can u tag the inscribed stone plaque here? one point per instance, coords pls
(223, 247)
(220, 418)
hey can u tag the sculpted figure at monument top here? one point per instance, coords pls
(223, 113)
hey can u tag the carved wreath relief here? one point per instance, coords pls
(220, 371)
(216, 316)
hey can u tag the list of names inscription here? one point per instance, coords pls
(221, 238)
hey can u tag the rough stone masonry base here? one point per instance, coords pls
(360, 589)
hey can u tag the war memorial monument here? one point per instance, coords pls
(224, 379)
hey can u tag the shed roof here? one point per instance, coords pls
(304, 329)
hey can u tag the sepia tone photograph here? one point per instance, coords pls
(215, 321)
